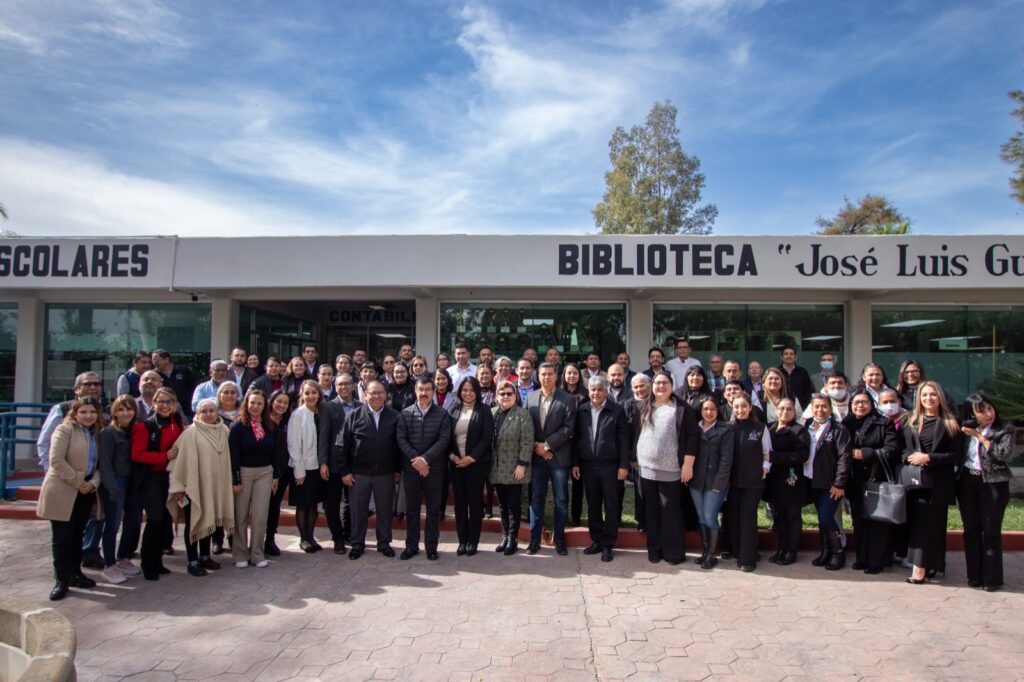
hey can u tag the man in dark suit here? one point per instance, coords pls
(367, 457)
(618, 386)
(601, 458)
(424, 434)
(800, 385)
(238, 372)
(332, 418)
(554, 417)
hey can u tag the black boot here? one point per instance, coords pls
(513, 538)
(703, 541)
(838, 558)
(822, 558)
(503, 544)
(60, 588)
(709, 558)
(270, 547)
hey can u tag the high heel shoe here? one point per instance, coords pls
(914, 581)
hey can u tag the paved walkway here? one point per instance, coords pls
(494, 618)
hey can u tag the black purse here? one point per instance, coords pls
(912, 475)
(886, 501)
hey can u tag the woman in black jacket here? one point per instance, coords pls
(751, 451)
(786, 486)
(280, 407)
(472, 439)
(695, 389)
(829, 470)
(707, 475)
(983, 491)
(401, 391)
(931, 440)
(875, 456)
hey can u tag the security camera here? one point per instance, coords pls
(195, 299)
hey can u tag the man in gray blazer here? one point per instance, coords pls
(554, 418)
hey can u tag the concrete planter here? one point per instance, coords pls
(36, 644)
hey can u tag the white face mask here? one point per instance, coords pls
(827, 364)
(889, 409)
(837, 393)
(820, 421)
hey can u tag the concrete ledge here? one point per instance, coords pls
(44, 635)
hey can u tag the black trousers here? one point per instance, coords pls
(926, 542)
(742, 505)
(334, 498)
(576, 495)
(854, 494)
(639, 507)
(468, 491)
(510, 503)
(875, 540)
(664, 518)
(67, 538)
(382, 488)
(788, 525)
(200, 548)
(601, 485)
(691, 521)
(982, 506)
(416, 488)
(153, 541)
(274, 513)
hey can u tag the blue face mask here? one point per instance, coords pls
(827, 364)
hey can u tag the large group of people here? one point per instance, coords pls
(393, 439)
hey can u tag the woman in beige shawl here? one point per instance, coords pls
(201, 485)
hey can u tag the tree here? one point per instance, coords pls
(873, 214)
(1013, 150)
(654, 186)
(3, 212)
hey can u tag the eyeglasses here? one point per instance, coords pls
(90, 383)
(860, 403)
(164, 402)
(506, 394)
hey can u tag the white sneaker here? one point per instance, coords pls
(241, 564)
(128, 568)
(114, 575)
(262, 564)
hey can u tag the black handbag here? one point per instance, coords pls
(886, 501)
(912, 475)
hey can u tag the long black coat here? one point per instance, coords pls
(876, 438)
(791, 447)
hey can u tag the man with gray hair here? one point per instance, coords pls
(87, 385)
(208, 389)
(601, 459)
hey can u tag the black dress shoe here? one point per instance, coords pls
(774, 558)
(59, 591)
(606, 554)
(432, 555)
(387, 551)
(533, 548)
(150, 575)
(168, 551)
(270, 548)
(196, 569)
(218, 548)
(511, 547)
(307, 547)
(872, 570)
(470, 549)
(209, 564)
(991, 588)
(654, 556)
(561, 550)
(915, 581)
(461, 549)
(974, 583)
(163, 570)
(857, 565)
(725, 555)
(317, 547)
(84, 582)
(339, 547)
(593, 549)
(747, 568)
(408, 554)
(355, 553)
(787, 559)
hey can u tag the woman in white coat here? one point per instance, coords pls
(307, 489)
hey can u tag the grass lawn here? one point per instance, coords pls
(1013, 520)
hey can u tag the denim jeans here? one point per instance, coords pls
(544, 471)
(826, 507)
(112, 520)
(708, 504)
(91, 539)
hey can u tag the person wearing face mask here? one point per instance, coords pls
(827, 363)
(828, 468)
(891, 407)
(875, 455)
(786, 487)
(983, 491)
(837, 388)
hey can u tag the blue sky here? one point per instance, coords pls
(270, 118)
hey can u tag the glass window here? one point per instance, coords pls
(267, 333)
(8, 348)
(751, 332)
(103, 338)
(959, 346)
(575, 329)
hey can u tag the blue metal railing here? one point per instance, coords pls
(15, 418)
